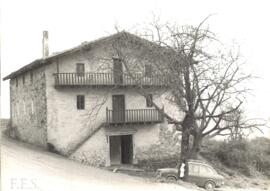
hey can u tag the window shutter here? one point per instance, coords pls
(80, 102)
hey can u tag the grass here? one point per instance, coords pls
(244, 163)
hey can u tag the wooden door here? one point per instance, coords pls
(118, 107)
(115, 150)
(117, 71)
(126, 149)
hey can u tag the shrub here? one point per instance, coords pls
(242, 155)
(153, 164)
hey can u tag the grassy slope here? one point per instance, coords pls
(243, 163)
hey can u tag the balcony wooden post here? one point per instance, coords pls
(56, 78)
(107, 117)
(162, 114)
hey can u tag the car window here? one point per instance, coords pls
(205, 170)
(194, 169)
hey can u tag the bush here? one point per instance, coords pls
(242, 155)
(153, 164)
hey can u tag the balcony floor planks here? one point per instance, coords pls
(59, 86)
(111, 124)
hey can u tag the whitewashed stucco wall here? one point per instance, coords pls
(68, 126)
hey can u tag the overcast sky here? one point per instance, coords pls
(71, 22)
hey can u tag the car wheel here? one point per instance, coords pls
(209, 186)
(171, 178)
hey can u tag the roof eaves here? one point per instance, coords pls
(30, 66)
(36, 63)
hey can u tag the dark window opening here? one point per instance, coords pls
(80, 69)
(80, 102)
(148, 70)
(149, 100)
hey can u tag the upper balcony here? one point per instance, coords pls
(133, 116)
(107, 80)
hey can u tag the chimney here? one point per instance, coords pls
(45, 45)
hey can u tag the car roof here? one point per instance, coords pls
(196, 161)
(199, 162)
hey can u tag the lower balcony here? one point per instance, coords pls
(133, 116)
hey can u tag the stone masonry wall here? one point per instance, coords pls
(28, 107)
(166, 149)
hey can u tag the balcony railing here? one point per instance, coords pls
(108, 79)
(133, 116)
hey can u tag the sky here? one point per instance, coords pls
(72, 22)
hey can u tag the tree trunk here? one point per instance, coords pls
(188, 122)
(185, 148)
(195, 150)
(184, 144)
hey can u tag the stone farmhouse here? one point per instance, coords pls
(80, 103)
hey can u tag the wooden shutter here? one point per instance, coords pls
(80, 102)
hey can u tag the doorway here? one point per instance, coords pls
(121, 149)
(117, 71)
(118, 108)
(126, 149)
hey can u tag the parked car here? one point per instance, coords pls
(198, 172)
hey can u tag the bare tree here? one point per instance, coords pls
(204, 79)
(239, 126)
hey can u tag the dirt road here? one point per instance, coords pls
(29, 168)
(25, 167)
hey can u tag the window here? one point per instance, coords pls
(31, 76)
(194, 169)
(149, 100)
(148, 70)
(23, 79)
(204, 170)
(80, 102)
(80, 69)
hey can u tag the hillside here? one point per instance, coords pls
(244, 163)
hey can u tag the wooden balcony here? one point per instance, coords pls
(133, 116)
(107, 79)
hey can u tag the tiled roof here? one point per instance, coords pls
(43, 61)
